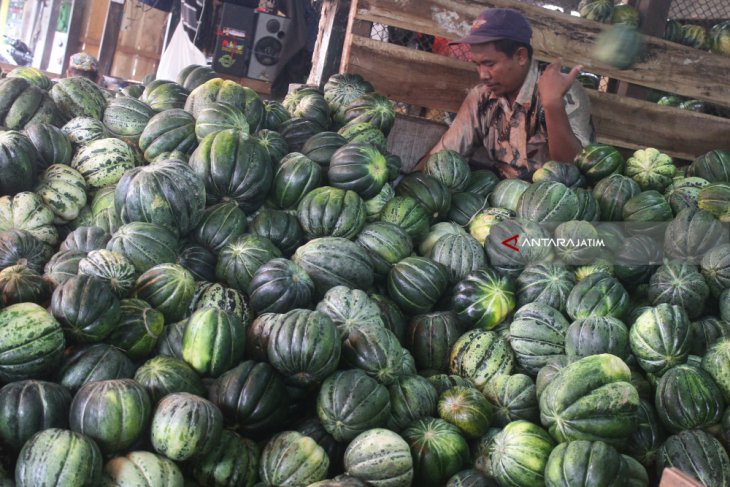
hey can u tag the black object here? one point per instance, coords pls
(234, 38)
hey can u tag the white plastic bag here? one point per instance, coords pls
(180, 52)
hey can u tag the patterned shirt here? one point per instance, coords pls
(515, 137)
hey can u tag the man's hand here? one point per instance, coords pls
(553, 85)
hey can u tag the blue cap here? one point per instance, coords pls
(495, 24)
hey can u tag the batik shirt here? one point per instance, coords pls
(515, 137)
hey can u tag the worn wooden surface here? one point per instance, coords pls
(140, 42)
(416, 77)
(330, 40)
(425, 79)
(664, 65)
(110, 36)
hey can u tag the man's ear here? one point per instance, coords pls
(523, 57)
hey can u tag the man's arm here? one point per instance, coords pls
(563, 145)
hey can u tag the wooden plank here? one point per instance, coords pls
(416, 77)
(110, 37)
(426, 79)
(330, 40)
(50, 34)
(75, 29)
(664, 65)
(679, 133)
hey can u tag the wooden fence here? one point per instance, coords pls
(435, 81)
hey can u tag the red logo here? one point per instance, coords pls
(511, 242)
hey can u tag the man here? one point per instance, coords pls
(82, 64)
(523, 117)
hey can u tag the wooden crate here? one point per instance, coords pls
(435, 81)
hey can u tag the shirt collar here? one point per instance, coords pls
(524, 97)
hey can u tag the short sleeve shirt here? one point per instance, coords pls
(515, 136)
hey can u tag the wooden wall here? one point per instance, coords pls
(139, 46)
(435, 81)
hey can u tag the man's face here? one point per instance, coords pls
(501, 73)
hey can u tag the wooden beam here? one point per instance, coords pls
(653, 14)
(330, 41)
(112, 27)
(50, 34)
(417, 77)
(664, 65)
(426, 79)
(73, 42)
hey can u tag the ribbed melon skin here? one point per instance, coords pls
(38, 465)
(185, 426)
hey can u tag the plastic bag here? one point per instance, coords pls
(180, 52)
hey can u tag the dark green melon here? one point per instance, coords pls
(281, 227)
(87, 308)
(185, 426)
(139, 328)
(412, 397)
(715, 199)
(687, 397)
(199, 261)
(547, 201)
(713, 166)
(30, 406)
(168, 131)
(239, 259)
(350, 309)
(280, 286)
(596, 335)
(92, 364)
(597, 295)
(114, 413)
(213, 342)
(537, 333)
(427, 191)
(21, 284)
(304, 347)
(409, 214)
(127, 117)
(295, 176)
(163, 375)
(545, 283)
(33, 75)
(274, 115)
(18, 163)
(297, 131)
(450, 169)
(430, 337)
(333, 261)
(273, 143)
(483, 298)
(52, 145)
(374, 350)
(144, 245)
(78, 97)
(438, 450)
(219, 116)
(513, 397)
(342, 89)
(680, 284)
(415, 284)
(591, 399)
(598, 10)
(480, 355)
(350, 402)
(583, 463)
(234, 166)
(660, 338)
(164, 95)
(331, 212)
(467, 409)
(290, 458)
(358, 167)
(219, 225)
(168, 288)
(698, 455)
(252, 396)
(233, 461)
(510, 246)
(320, 147)
(194, 75)
(464, 206)
(612, 193)
(567, 174)
(692, 234)
(373, 108)
(80, 462)
(386, 244)
(240, 97)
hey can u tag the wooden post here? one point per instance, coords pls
(653, 15)
(330, 41)
(50, 34)
(73, 43)
(109, 38)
